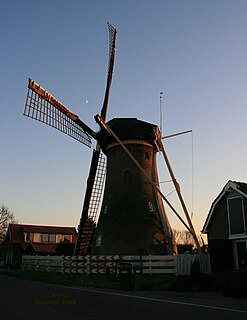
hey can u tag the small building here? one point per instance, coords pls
(225, 227)
(35, 239)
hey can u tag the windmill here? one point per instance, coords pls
(132, 216)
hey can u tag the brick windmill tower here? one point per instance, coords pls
(132, 217)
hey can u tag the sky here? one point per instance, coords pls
(193, 51)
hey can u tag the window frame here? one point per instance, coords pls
(236, 235)
(52, 235)
(151, 206)
(29, 237)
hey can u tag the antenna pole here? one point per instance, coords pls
(161, 93)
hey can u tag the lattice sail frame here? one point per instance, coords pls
(112, 45)
(112, 48)
(98, 186)
(42, 106)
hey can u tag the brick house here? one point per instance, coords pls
(35, 239)
(225, 227)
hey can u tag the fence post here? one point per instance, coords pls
(150, 265)
(36, 264)
(62, 263)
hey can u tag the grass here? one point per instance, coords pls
(154, 282)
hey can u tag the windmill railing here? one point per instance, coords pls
(149, 264)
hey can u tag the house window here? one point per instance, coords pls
(52, 238)
(98, 240)
(36, 237)
(29, 237)
(67, 237)
(59, 238)
(45, 237)
(236, 216)
(241, 258)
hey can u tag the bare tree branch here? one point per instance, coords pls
(6, 217)
(184, 237)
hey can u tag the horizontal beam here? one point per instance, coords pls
(176, 134)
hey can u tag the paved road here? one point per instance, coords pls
(22, 299)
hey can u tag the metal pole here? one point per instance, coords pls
(161, 93)
(176, 134)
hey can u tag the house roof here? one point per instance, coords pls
(240, 187)
(15, 231)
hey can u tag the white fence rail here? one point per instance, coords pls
(178, 265)
(42, 263)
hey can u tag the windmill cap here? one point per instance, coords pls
(128, 129)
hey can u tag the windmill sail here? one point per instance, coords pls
(43, 107)
(112, 49)
(95, 185)
(87, 221)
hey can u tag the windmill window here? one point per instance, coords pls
(236, 216)
(151, 206)
(127, 176)
(146, 155)
(98, 240)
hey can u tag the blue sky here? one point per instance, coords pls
(193, 51)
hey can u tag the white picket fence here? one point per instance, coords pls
(178, 265)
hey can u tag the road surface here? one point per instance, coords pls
(23, 299)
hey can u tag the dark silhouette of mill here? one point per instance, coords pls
(132, 217)
(132, 210)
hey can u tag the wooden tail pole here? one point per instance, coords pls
(177, 187)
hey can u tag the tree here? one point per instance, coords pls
(185, 241)
(6, 217)
(65, 248)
